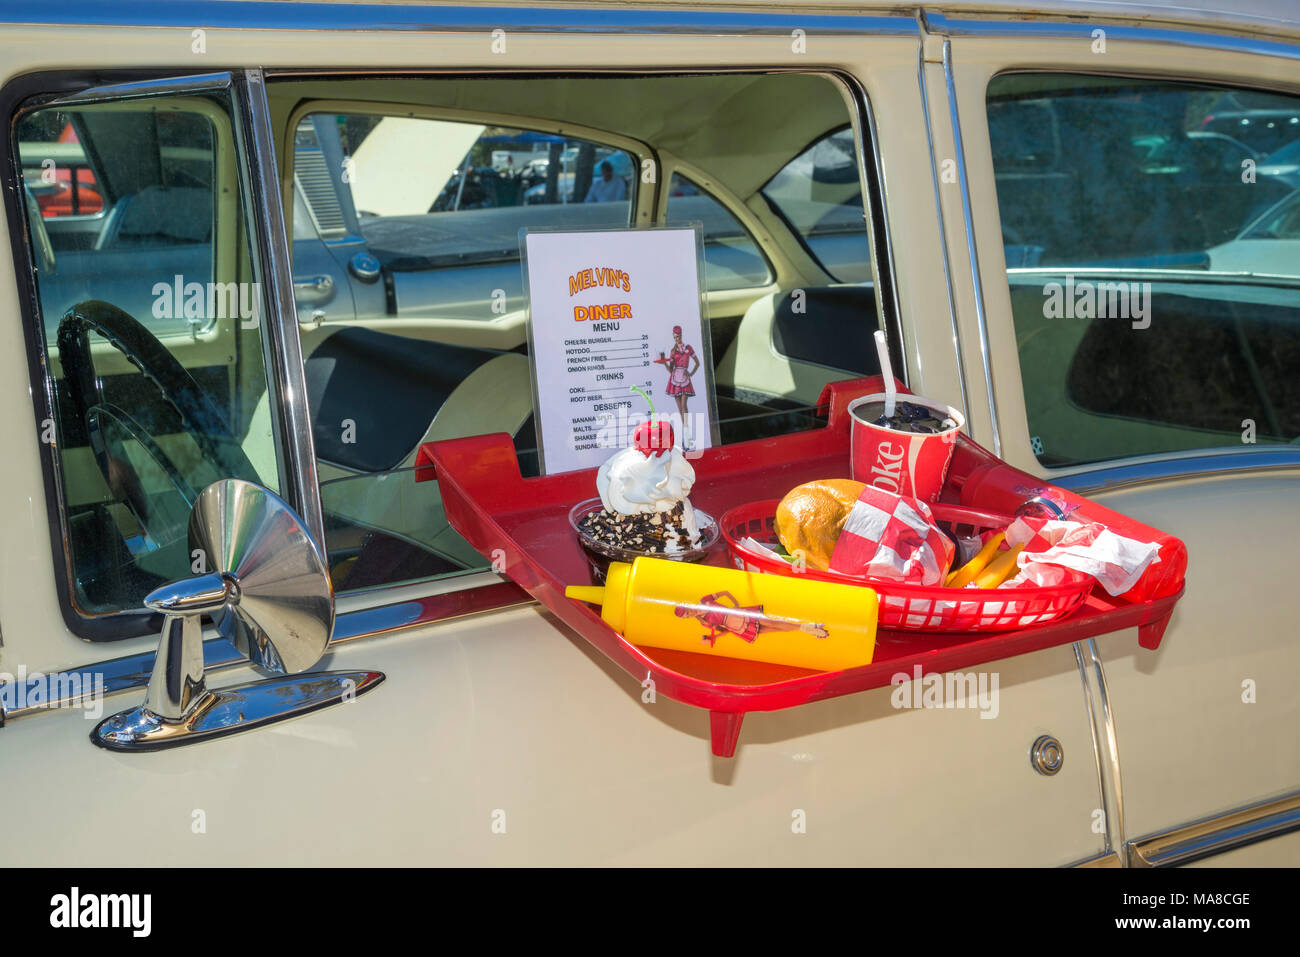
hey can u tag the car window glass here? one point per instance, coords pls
(56, 170)
(440, 203)
(731, 257)
(1153, 262)
(819, 192)
(151, 333)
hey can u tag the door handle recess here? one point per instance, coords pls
(312, 290)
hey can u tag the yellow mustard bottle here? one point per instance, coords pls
(786, 620)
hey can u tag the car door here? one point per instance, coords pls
(1171, 400)
(501, 737)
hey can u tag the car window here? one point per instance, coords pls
(421, 329)
(1153, 265)
(439, 203)
(819, 193)
(731, 257)
(150, 333)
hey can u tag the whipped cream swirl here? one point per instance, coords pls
(630, 483)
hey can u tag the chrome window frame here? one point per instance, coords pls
(290, 417)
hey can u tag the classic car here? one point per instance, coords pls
(281, 280)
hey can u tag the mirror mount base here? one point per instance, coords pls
(234, 709)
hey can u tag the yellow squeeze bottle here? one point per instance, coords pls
(785, 620)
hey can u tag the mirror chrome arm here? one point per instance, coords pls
(177, 683)
(270, 594)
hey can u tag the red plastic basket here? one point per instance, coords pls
(913, 607)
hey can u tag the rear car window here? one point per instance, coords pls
(731, 257)
(819, 193)
(1153, 263)
(439, 203)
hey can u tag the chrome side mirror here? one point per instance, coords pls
(267, 590)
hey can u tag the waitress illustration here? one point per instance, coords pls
(682, 363)
(724, 615)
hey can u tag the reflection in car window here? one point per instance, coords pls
(56, 169)
(434, 195)
(1153, 264)
(820, 194)
(162, 203)
(731, 257)
(1280, 222)
(152, 337)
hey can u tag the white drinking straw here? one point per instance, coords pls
(887, 371)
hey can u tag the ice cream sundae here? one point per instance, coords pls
(644, 505)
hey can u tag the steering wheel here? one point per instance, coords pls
(109, 426)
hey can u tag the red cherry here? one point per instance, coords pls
(653, 437)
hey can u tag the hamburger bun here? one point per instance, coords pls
(811, 517)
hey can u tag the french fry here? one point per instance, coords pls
(963, 576)
(1000, 569)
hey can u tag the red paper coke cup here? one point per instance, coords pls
(907, 463)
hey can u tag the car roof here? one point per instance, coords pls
(1271, 16)
(1263, 15)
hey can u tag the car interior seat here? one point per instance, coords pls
(790, 344)
(158, 216)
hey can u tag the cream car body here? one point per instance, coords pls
(501, 738)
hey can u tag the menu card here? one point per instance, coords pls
(610, 309)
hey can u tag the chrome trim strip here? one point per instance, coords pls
(1109, 756)
(1094, 728)
(298, 479)
(924, 22)
(1153, 273)
(410, 18)
(977, 283)
(1108, 859)
(139, 89)
(1214, 835)
(133, 671)
(1066, 30)
(1212, 464)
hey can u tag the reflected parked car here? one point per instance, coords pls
(1270, 245)
(1283, 165)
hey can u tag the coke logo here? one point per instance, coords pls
(888, 470)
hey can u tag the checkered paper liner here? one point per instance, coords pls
(749, 532)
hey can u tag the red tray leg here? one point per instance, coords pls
(724, 729)
(1149, 635)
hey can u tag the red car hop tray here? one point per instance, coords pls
(494, 507)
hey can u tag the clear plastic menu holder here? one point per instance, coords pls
(614, 425)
